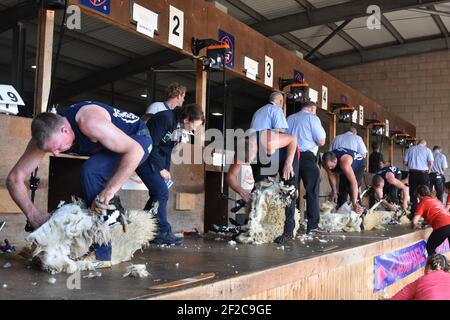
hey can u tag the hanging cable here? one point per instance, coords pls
(224, 129)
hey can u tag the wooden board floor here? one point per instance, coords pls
(232, 265)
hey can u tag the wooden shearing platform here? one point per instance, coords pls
(328, 267)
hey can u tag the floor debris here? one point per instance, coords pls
(93, 275)
(51, 280)
(7, 265)
(136, 271)
(232, 243)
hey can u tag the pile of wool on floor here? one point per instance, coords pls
(267, 216)
(344, 219)
(68, 235)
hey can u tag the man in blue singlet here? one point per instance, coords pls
(116, 141)
(389, 185)
(349, 165)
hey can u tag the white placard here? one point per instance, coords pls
(355, 116)
(9, 95)
(9, 108)
(251, 68)
(268, 78)
(387, 128)
(361, 115)
(176, 27)
(313, 95)
(134, 183)
(147, 20)
(324, 98)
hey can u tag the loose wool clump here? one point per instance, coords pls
(267, 215)
(68, 235)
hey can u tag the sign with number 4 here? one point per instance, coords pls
(176, 27)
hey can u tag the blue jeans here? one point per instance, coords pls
(158, 191)
(95, 173)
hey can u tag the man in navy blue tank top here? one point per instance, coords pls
(389, 186)
(349, 165)
(116, 141)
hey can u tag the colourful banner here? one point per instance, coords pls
(102, 6)
(299, 76)
(226, 38)
(394, 266)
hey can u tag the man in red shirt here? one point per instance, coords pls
(435, 214)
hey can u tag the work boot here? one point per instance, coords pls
(167, 238)
(284, 238)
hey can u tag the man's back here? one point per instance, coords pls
(349, 141)
(440, 163)
(418, 157)
(269, 117)
(156, 107)
(308, 130)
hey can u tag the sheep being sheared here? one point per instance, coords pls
(71, 231)
(345, 219)
(267, 215)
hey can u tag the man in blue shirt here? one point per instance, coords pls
(419, 159)
(270, 116)
(306, 126)
(351, 141)
(437, 178)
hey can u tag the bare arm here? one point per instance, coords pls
(332, 180)
(321, 142)
(346, 166)
(232, 181)
(99, 128)
(15, 182)
(400, 185)
(273, 141)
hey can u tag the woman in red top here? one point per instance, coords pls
(434, 285)
(435, 214)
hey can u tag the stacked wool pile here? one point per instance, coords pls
(267, 215)
(71, 231)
